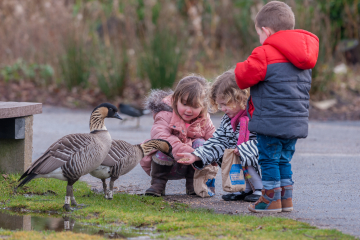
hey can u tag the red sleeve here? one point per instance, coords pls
(252, 70)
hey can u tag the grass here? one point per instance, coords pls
(170, 219)
(29, 235)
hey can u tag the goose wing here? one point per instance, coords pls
(60, 153)
(118, 151)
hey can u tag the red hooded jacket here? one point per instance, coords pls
(279, 74)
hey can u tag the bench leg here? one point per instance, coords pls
(16, 154)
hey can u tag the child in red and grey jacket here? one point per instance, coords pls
(279, 76)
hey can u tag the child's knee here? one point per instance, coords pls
(162, 159)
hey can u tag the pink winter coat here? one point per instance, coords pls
(170, 127)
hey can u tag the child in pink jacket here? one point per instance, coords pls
(181, 118)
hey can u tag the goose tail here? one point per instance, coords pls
(25, 174)
(27, 179)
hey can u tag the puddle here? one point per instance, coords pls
(12, 221)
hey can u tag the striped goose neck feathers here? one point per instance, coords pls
(156, 144)
(97, 119)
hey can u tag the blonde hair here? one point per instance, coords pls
(225, 87)
(195, 88)
(275, 15)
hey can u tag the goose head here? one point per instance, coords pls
(157, 144)
(104, 110)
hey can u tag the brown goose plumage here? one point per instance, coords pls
(123, 157)
(75, 155)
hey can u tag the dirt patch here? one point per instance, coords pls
(346, 108)
(24, 91)
(214, 203)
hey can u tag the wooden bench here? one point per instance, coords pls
(16, 134)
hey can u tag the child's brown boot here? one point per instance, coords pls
(270, 202)
(159, 179)
(190, 181)
(286, 198)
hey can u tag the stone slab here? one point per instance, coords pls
(19, 109)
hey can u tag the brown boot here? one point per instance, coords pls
(270, 202)
(158, 179)
(286, 198)
(190, 181)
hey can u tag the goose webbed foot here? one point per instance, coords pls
(73, 202)
(67, 207)
(80, 206)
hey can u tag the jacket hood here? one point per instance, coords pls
(300, 47)
(155, 102)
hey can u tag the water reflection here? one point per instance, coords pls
(11, 221)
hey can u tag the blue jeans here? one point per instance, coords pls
(275, 155)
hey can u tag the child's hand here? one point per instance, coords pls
(236, 151)
(187, 158)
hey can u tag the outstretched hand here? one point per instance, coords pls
(187, 158)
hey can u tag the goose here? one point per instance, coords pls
(123, 157)
(75, 155)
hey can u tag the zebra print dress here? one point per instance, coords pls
(226, 138)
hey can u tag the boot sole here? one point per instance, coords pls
(152, 194)
(265, 211)
(289, 209)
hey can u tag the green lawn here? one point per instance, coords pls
(170, 219)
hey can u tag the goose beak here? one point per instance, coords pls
(116, 115)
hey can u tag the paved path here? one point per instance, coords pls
(326, 168)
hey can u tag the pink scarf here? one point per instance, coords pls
(241, 118)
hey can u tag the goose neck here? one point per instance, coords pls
(97, 121)
(139, 149)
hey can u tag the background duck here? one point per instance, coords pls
(75, 155)
(123, 157)
(133, 112)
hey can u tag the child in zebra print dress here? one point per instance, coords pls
(232, 133)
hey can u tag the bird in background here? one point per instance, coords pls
(123, 157)
(133, 112)
(75, 155)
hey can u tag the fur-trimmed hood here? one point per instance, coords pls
(155, 102)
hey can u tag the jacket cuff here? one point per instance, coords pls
(198, 164)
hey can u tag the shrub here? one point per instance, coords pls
(161, 59)
(74, 64)
(40, 74)
(111, 70)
